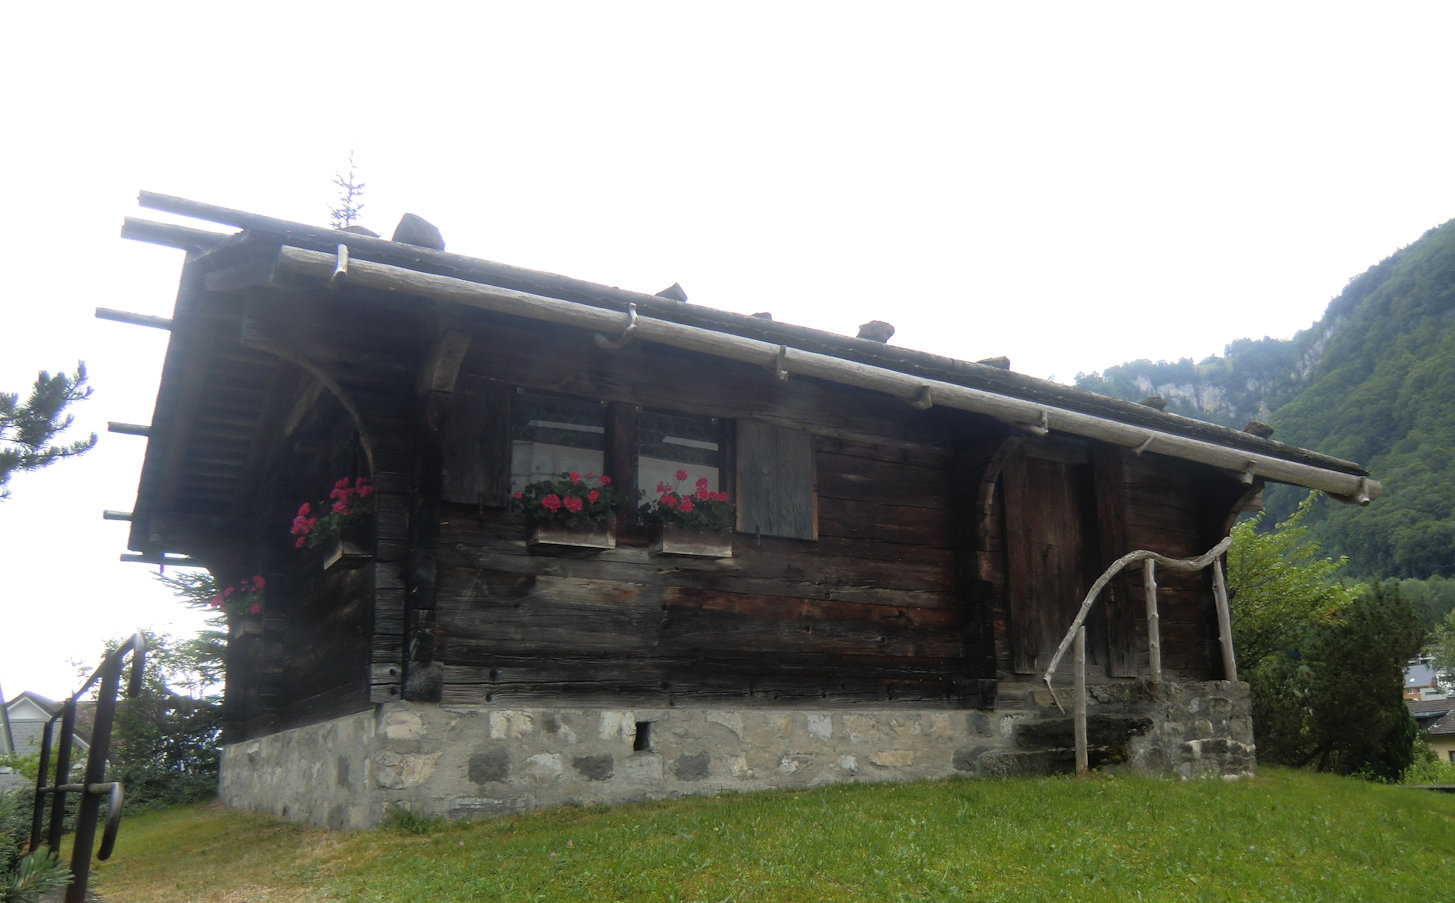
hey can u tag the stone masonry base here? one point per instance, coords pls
(478, 761)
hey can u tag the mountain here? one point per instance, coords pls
(1373, 381)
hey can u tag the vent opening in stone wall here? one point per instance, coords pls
(642, 741)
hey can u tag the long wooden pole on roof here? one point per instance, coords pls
(1029, 415)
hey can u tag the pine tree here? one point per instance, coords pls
(351, 193)
(28, 430)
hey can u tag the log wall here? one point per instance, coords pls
(871, 609)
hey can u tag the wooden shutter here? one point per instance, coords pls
(476, 448)
(775, 482)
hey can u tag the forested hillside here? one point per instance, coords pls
(1372, 382)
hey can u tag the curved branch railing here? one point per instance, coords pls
(1076, 634)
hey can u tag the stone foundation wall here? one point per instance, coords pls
(478, 761)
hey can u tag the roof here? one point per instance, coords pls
(1435, 717)
(1419, 675)
(214, 386)
(27, 730)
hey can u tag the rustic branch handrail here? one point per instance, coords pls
(1176, 564)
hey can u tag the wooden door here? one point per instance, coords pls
(1050, 515)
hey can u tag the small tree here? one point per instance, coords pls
(1324, 659)
(350, 198)
(1279, 583)
(28, 430)
(164, 745)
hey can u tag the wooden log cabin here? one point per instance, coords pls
(914, 536)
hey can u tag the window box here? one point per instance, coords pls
(597, 535)
(673, 539)
(351, 547)
(247, 625)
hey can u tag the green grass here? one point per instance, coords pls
(1286, 836)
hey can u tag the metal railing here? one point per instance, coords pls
(1076, 635)
(92, 787)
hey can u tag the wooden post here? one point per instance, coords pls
(1154, 623)
(1079, 720)
(1225, 622)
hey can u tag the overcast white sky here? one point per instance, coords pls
(1072, 185)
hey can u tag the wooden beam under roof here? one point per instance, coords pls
(171, 235)
(135, 319)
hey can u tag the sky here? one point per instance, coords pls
(1072, 185)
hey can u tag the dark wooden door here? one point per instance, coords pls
(1050, 515)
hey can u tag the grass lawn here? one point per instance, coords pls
(1286, 836)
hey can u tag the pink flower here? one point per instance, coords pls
(605, 480)
(364, 490)
(256, 608)
(342, 484)
(304, 509)
(520, 495)
(669, 501)
(216, 602)
(661, 487)
(702, 483)
(686, 506)
(572, 504)
(575, 476)
(258, 582)
(551, 503)
(592, 496)
(681, 474)
(299, 543)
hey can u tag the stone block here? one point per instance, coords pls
(402, 724)
(821, 727)
(733, 721)
(543, 768)
(397, 771)
(617, 725)
(967, 758)
(642, 769)
(790, 763)
(594, 768)
(692, 767)
(892, 758)
(507, 724)
(489, 767)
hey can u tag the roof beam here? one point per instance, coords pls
(126, 316)
(1030, 415)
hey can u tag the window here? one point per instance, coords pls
(668, 443)
(552, 435)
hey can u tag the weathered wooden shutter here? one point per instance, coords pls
(476, 448)
(775, 481)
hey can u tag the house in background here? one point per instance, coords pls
(912, 542)
(1436, 718)
(28, 713)
(1422, 680)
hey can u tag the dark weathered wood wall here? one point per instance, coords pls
(871, 609)
(949, 550)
